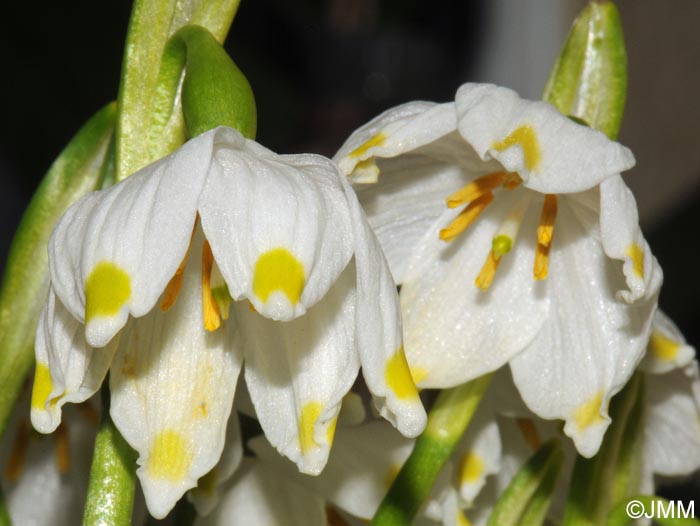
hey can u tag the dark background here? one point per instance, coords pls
(318, 69)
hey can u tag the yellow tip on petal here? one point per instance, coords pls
(107, 289)
(398, 376)
(170, 456)
(636, 254)
(376, 140)
(43, 385)
(279, 270)
(471, 469)
(488, 272)
(663, 348)
(588, 413)
(307, 423)
(526, 138)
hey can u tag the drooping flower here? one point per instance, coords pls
(515, 241)
(143, 276)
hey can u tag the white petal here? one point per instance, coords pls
(361, 468)
(394, 132)
(551, 153)
(667, 348)
(591, 342)
(67, 368)
(172, 388)
(297, 372)
(623, 240)
(454, 331)
(672, 437)
(378, 329)
(258, 496)
(207, 494)
(278, 226)
(114, 251)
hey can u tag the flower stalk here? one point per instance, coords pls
(447, 421)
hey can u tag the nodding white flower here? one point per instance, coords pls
(515, 241)
(144, 274)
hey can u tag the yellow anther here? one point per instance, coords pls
(526, 138)
(545, 230)
(376, 140)
(488, 271)
(477, 188)
(529, 432)
(62, 449)
(541, 267)
(466, 217)
(210, 309)
(501, 245)
(18, 455)
(175, 283)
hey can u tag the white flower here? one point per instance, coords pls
(221, 219)
(571, 304)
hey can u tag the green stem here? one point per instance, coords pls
(4, 512)
(447, 421)
(110, 497)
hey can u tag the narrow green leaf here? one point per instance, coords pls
(527, 498)
(447, 421)
(152, 24)
(589, 79)
(76, 171)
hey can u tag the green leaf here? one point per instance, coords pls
(589, 79)
(447, 421)
(152, 24)
(76, 171)
(527, 498)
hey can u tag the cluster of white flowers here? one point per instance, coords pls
(515, 242)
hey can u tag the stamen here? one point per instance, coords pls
(529, 432)
(488, 271)
(62, 449)
(466, 217)
(475, 189)
(18, 457)
(545, 233)
(210, 309)
(173, 287)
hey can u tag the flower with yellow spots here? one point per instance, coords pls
(220, 253)
(515, 241)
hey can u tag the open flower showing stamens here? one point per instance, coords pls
(515, 241)
(144, 274)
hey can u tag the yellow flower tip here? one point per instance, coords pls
(277, 270)
(501, 245)
(526, 138)
(170, 456)
(636, 254)
(376, 140)
(307, 424)
(488, 272)
(663, 348)
(107, 290)
(529, 432)
(541, 267)
(43, 385)
(366, 171)
(466, 217)
(330, 431)
(589, 413)
(62, 449)
(471, 468)
(210, 308)
(398, 376)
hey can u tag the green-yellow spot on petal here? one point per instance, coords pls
(398, 376)
(663, 348)
(588, 413)
(43, 385)
(501, 245)
(107, 289)
(376, 140)
(170, 456)
(307, 423)
(472, 467)
(278, 270)
(526, 138)
(636, 254)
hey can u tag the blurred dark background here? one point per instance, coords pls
(321, 68)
